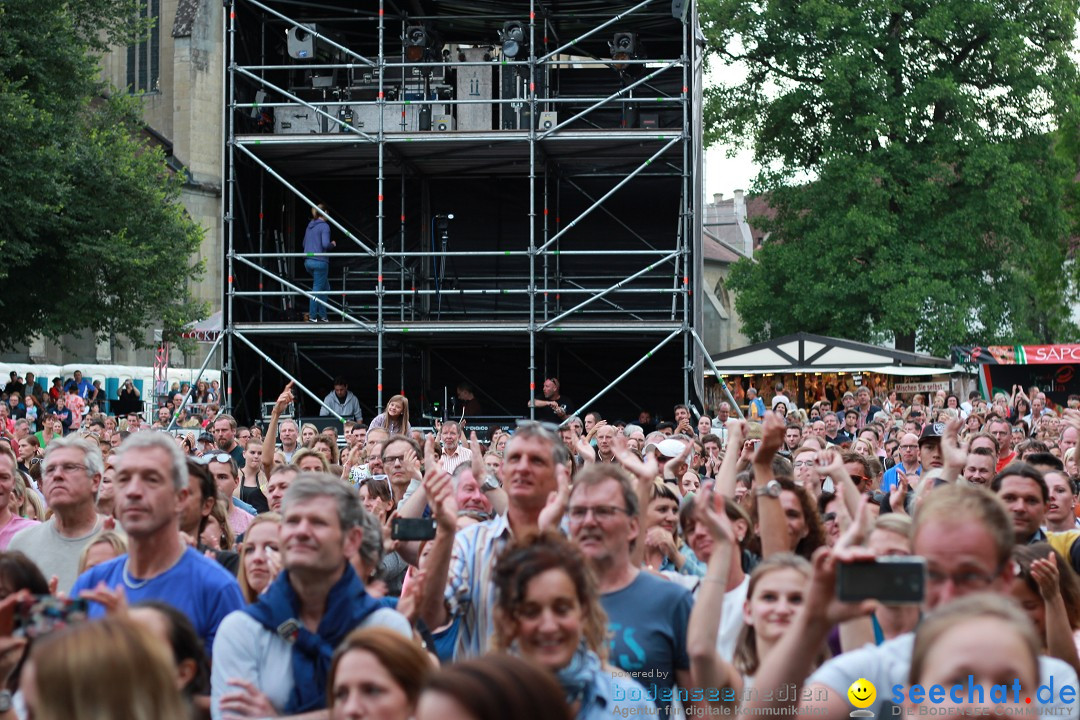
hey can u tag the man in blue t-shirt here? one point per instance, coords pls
(647, 615)
(909, 462)
(151, 486)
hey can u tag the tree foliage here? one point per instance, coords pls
(920, 155)
(96, 239)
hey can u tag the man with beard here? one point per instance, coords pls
(225, 438)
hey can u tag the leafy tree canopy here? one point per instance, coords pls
(940, 139)
(96, 239)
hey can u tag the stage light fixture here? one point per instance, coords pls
(417, 42)
(624, 46)
(442, 222)
(515, 39)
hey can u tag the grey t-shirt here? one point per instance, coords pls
(53, 553)
(888, 664)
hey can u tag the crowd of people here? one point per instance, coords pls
(565, 567)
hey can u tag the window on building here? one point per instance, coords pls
(143, 59)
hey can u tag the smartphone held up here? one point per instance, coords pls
(895, 580)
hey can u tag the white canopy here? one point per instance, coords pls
(807, 353)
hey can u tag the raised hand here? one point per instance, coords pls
(644, 470)
(1046, 575)
(673, 464)
(899, 493)
(429, 453)
(412, 464)
(830, 463)
(736, 431)
(709, 511)
(772, 438)
(439, 487)
(585, 450)
(953, 452)
(113, 600)
(284, 399)
(552, 514)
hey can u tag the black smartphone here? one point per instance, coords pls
(412, 529)
(893, 580)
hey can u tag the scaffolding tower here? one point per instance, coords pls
(513, 187)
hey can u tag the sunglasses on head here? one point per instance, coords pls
(215, 457)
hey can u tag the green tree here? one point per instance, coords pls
(96, 240)
(917, 154)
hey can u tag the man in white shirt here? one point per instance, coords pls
(454, 453)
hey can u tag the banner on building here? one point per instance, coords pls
(1018, 354)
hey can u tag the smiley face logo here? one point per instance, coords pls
(862, 693)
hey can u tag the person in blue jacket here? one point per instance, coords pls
(317, 242)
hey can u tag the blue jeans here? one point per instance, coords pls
(320, 271)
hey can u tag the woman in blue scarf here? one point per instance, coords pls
(548, 612)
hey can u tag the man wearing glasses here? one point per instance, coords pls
(909, 462)
(647, 615)
(966, 536)
(70, 476)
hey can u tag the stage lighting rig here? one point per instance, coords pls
(421, 44)
(625, 46)
(514, 37)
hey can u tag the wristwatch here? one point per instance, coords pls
(5, 701)
(771, 489)
(490, 482)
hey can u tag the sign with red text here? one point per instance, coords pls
(1019, 354)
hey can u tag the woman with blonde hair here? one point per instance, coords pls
(104, 546)
(260, 555)
(990, 638)
(773, 596)
(308, 433)
(73, 674)
(309, 460)
(30, 505)
(395, 419)
(1069, 459)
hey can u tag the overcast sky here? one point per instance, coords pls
(724, 174)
